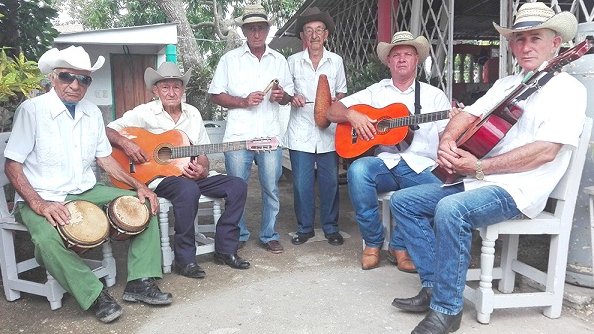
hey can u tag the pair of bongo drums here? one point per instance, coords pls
(90, 226)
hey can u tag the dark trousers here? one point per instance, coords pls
(183, 194)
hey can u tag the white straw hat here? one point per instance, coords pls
(537, 15)
(74, 57)
(253, 14)
(167, 70)
(421, 44)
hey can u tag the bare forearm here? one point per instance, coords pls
(457, 125)
(14, 172)
(228, 101)
(522, 159)
(337, 113)
(111, 167)
(114, 137)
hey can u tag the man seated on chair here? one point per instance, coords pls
(392, 168)
(55, 139)
(166, 113)
(514, 178)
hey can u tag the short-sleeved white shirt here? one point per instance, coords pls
(556, 114)
(302, 132)
(153, 118)
(239, 73)
(57, 151)
(422, 153)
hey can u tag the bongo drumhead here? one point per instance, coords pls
(128, 214)
(88, 226)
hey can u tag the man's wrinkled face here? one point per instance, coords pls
(256, 33)
(403, 60)
(534, 47)
(314, 35)
(70, 85)
(169, 91)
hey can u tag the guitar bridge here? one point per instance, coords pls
(131, 166)
(353, 136)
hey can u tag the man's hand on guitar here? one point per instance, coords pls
(194, 170)
(364, 125)
(134, 152)
(456, 160)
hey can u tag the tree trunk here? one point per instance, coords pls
(189, 53)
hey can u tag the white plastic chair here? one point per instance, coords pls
(384, 200)
(204, 244)
(557, 224)
(12, 270)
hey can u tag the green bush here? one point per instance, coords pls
(18, 78)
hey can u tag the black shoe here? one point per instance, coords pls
(232, 260)
(335, 239)
(106, 308)
(418, 303)
(299, 238)
(438, 323)
(191, 270)
(146, 290)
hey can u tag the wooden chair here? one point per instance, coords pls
(557, 224)
(12, 280)
(204, 244)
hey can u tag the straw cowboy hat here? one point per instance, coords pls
(537, 15)
(313, 14)
(253, 14)
(74, 57)
(167, 70)
(421, 44)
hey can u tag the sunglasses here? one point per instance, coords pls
(69, 78)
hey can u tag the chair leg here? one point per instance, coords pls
(509, 254)
(108, 263)
(386, 222)
(8, 264)
(485, 294)
(165, 245)
(55, 292)
(556, 273)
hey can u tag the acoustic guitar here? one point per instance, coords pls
(171, 151)
(392, 128)
(486, 132)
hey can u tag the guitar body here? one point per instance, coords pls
(158, 147)
(349, 144)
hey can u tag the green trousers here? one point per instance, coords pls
(66, 266)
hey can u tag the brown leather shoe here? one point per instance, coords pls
(403, 261)
(370, 258)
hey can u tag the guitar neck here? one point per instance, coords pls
(416, 119)
(195, 150)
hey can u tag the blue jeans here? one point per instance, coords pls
(303, 166)
(369, 176)
(239, 163)
(437, 224)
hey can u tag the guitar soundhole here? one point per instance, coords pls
(163, 154)
(382, 126)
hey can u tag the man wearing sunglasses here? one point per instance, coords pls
(56, 137)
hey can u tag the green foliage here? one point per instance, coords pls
(26, 27)
(360, 78)
(18, 78)
(103, 14)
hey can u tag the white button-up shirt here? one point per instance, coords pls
(57, 151)
(240, 73)
(153, 118)
(423, 150)
(302, 133)
(555, 114)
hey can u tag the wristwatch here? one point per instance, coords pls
(479, 171)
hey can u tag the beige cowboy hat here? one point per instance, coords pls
(74, 57)
(421, 44)
(537, 15)
(313, 14)
(252, 14)
(167, 70)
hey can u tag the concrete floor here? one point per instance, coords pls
(311, 288)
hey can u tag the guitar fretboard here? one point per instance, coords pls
(415, 119)
(195, 150)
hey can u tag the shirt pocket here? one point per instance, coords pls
(50, 149)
